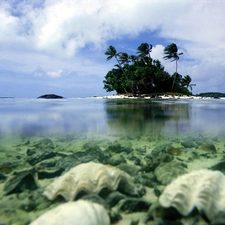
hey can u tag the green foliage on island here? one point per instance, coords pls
(140, 74)
(212, 94)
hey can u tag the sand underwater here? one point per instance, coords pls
(152, 145)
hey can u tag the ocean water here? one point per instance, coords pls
(138, 120)
(195, 128)
(93, 117)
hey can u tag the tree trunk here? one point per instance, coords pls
(174, 77)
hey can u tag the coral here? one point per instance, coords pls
(79, 212)
(201, 189)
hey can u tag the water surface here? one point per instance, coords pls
(89, 116)
(61, 133)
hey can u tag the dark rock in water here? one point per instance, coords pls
(146, 179)
(157, 192)
(91, 146)
(31, 151)
(219, 166)
(118, 147)
(40, 156)
(158, 213)
(153, 162)
(40, 200)
(40, 150)
(141, 151)
(136, 158)
(93, 150)
(10, 216)
(71, 161)
(134, 190)
(48, 163)
(114, 197)
(130, 169)
(8, 167)
(130, 205)
(188, 144)
(50, 96)
(96, 199)
(89, 153)
(45, 143)
(117, 159)
(21, 180)
(2, 176)
(174, 151)
(46, 174)
(166, 172)
(159, 150)
(170, 216)
(15, 208)
(208, 148)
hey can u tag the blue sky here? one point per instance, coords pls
(57, 46)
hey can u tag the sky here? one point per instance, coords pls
(58, 46)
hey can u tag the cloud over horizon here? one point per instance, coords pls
(56, 38)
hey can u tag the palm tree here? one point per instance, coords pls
(186, 80)
(144, 50)
(124, 58)
(171, 52)
(133, 58)
(191, 85)
(111, 52)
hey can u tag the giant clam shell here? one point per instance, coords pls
(203, 189)
(88, 177)
(70, 213)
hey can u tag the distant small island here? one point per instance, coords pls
(51, 96)
(211, 94)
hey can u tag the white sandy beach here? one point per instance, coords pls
(124, 96)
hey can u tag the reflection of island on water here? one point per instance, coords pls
(141, 116)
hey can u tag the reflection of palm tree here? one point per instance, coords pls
(138, 117)
(171, 52)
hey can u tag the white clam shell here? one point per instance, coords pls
(203, 189)
(89, 177)
(79, 212)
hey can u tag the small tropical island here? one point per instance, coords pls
(140, 74)
(50, 96)
(212, 95)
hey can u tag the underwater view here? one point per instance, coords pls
(144, 161)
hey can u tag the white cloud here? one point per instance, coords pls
(55, 74)
(53, 34)
(157, 52)
(63, 27)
